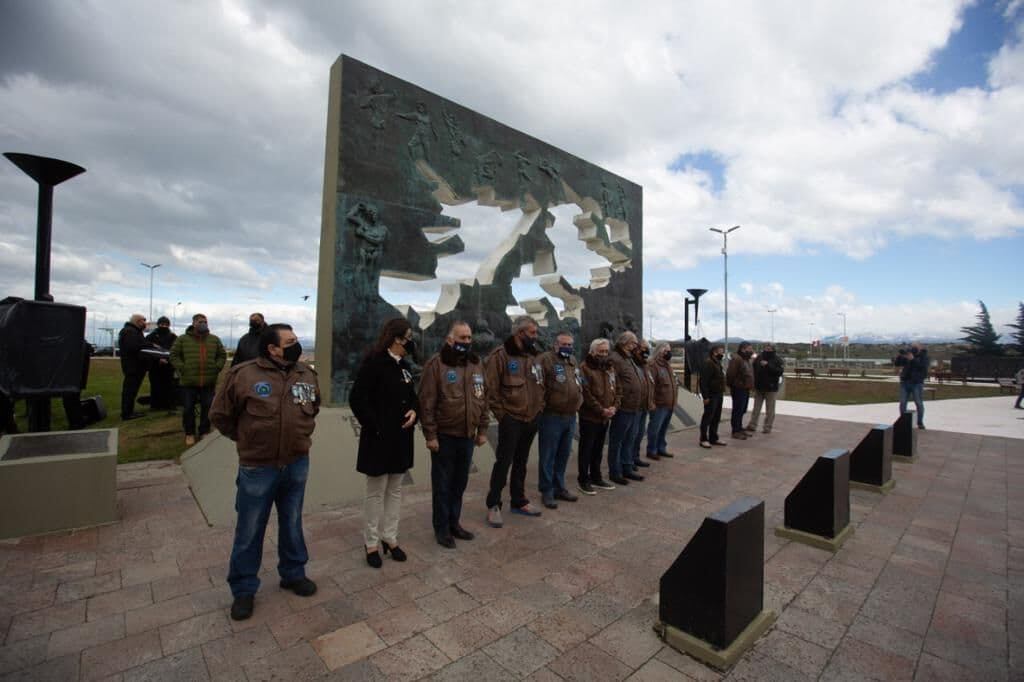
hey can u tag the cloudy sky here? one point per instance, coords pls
(873, 152)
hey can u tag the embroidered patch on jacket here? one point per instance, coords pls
(560, 373)
(451, 376)
(262, 389)
(513, 365)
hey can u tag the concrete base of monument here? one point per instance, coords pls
(212, 465)
(818, 541)
(58, 480)
(904, 459)
(722, 659)
(883, 489)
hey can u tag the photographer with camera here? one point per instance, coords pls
(915, 370)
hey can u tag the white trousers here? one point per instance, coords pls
(381, 509)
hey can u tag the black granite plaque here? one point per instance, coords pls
(871, 460)
(904, 436)
(715, 587)
(820, 502)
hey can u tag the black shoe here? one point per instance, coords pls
(666, 454)
(921, 426)
(373, 558)
(618, 479)
(241, 607)
(602, 484)
(396, 552)
(446, 541)
(461, 533)
(633, 477)
(304, 587)
(565, 496)
(641, 463)
(654, 456)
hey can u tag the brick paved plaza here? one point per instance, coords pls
(930, 587)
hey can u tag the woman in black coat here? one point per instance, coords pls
(383, 399)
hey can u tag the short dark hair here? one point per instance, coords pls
(197, 316)
(714, 347)
(271, 336)
(162, 320)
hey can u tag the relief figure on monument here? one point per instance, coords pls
(456, 142)
(377, 101)
(371, 235)
(523, 164)
(487, 168)
(419, 143)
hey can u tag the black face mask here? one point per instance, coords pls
(644, 354)
(292, 352)
(915, 351)
(667, 355)
(255, 328)
(719, 356)
(460, 348)
(410, 347)
(529, 343)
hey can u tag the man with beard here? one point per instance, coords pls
(249, 344)
(600, 403)
(453, 415)
(161, 373)
(516, 378)
(768, 369)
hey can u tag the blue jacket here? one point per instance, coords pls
(915, 370)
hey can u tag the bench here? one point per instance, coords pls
(1007, 385)
(929, 392)
(838, 371)
(809, 371)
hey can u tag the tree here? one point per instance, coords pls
(1018, 336)
(982, 337)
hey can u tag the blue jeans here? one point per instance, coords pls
(910, 391)
(740, 397)
(555, 433)
(259, 488)
(620, 442)
(656, 430)
(449, 475)
(638, 436)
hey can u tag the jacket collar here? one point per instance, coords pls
(451, 358)
(512, 349)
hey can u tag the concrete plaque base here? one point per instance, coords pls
(59, 480)
(904, 460)
(722, 659)
(880, 489)
(818, 541)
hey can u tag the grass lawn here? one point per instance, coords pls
(158, 435)
(843, 392)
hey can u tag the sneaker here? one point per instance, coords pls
(586, 489)
(565, 496)
(241, 607)
(549, 501)
(304, 587)
(634, 477)
(527, 510)
(641, 463)
(666, 454)
(602, 484)
(750, 428)
(705, 444)
(618, 479)
(494, 517)
(190, 441)
(653, 456)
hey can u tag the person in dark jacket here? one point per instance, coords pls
(556, 427)
(129, 343)
(665, 391)
(600, 402)
(712, 390)
(269, 407)
(453, 415)
(629, 383)
(384, 402)
(249, 344)
(768, 369)
(915, 366)
(740, 378)
(161, 373)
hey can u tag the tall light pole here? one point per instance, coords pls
(810, 339)
(771, 312)
(846, 340)
(725, 256)
(151, 269)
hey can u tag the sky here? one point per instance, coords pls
(871, 152)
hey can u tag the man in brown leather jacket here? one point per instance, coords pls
(642, 357)
(629, 388)
(268, 407)
(665, 389)
(516, 379)
(600, 402)
(557, 425)
(453, 415)
(740, 378)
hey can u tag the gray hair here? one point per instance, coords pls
(662, 347)
(565, 333)
(625, 337)
(523, 322)
(458, 323)
(597, 343)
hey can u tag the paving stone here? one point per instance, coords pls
(87, 587)
(586, 662)
(400, 623)
(303, 626)
(799, 654)
(690, 667)
(194, 631)
(521, 652)
(77, 637)
(504, 615)
(226, 656)
(347, 645)
(44, 621)
(411, 659)
(655, 671)
(111, 603)
(810, 627)
(114, 657)
(447, 603)
(57, 670)
(630, 640)
(23, 654)
(184, 665)
(860, 658)
(755, 667)
(473, 668)
(298, 663)
(146, 572)
(460, 636)
(155, 615)
(195, 580)
(931, 668)
(887, 637)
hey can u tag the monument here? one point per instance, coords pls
(396, 155)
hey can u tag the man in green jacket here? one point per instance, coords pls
(197, 357)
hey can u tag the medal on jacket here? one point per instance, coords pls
(579, 377)
(303, 394)
(538, 373)
(611, 379)
(406, 377)
(478, 385)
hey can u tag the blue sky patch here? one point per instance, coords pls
(706, 161)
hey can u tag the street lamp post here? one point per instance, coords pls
(687, 302)
(174, 315)
(846, 339)
(151, 269)
(810, 340)
(771, 312)
(725, 256)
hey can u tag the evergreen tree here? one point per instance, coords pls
(1018, 336)
(982, 337)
